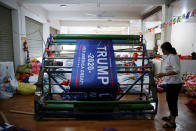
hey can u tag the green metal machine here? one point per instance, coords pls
(142, 102)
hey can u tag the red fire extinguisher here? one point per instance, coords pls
(25, 46)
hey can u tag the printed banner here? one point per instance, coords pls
(94, 66)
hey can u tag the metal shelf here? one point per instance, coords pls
(109, 67)
(72, 51)
(128, 58)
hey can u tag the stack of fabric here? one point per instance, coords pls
(189, 86)
(35, 64)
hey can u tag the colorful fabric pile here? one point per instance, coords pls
(191, 105)
(187, 57)
(159, 81)
(26, 68)
(35, 65)
(189, 84)
(130, 79)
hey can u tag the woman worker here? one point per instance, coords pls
(171, 75)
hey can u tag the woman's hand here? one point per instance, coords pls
(155, 55)
(166, 74)
(152, 54)
(161, 75)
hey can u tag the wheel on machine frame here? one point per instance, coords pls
(38, 116)
(152, 116)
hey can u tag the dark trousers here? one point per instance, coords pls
(172, 91)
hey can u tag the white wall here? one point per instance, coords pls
(135, 27)
(94, 27)
(186, 66)
(183, 37)
(40, 15)
(150, 36)
(150, 40)
(93, 30)
(55, 24)
(195, 41)
(19, 12)
(93, 23)
(17, 31)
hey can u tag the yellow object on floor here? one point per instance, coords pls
(25, 88)
(22, 112)
(4, 117)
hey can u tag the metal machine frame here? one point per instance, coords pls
(46, 106)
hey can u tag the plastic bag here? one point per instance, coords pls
(8, 82)
(5, 95)
(33, 79)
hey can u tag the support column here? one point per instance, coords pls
(18, 32)
(130, 27)
(169, 28)
(142, 27)
(135, 27)
(23, 33)
(164, 19)
(46, 32)
(166, 16)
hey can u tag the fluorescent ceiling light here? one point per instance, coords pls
(184, 11)
(63, 5)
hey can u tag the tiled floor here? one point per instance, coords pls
(185, 122)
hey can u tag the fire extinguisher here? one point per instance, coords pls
(25, 46)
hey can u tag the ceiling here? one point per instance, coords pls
(95, 9)
(155, 17)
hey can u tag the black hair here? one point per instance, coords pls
(193, 54)
(168, 47)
